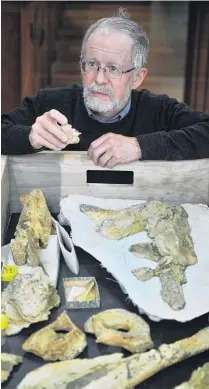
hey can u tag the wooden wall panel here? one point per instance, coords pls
(197, 69)
(10, 55)
(38, 26)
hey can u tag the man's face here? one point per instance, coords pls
(103, 94)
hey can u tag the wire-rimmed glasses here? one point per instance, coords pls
(111, 71)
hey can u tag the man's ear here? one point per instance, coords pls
(139, 77)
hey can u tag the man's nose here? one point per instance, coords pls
(101, 77)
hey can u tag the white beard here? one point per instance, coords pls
(109, 108)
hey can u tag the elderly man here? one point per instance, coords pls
(118, 123)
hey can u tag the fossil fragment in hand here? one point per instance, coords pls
(72, 134)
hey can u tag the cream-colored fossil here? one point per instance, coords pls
(89, 293)
(8, 361)
(72, 134)
(106, 326)
(33, 229)
(28, 299)
(171, 243)
(198, 380)
(111, 371)
(51, 344)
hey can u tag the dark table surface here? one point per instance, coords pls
(111, 297)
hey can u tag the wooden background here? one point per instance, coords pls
(41, 44)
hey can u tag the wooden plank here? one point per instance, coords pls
(59, 174)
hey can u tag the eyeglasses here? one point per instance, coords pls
(111, 71)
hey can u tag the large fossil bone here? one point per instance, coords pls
(171, 243)
(111, 371)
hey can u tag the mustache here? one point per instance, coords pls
(99, 89)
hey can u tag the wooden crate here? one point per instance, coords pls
(59, 174)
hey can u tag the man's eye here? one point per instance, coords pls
(113, 69)
(92, 64)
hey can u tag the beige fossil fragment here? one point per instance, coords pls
(52, 344)
(8, 361)
(72, 134)
(171, 243)
(28, 299)
(111, 371)
(60, 374)
(89, 293)
(198, 380)
(106, 326)
(33, 229)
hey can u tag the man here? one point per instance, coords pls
(118, 123)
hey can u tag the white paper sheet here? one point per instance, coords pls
(116, 258)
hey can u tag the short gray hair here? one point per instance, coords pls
(123, 24)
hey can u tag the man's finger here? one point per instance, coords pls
(45, 143)
(53, 129)
(112, 162)
(50, 138)
(99, 151)
(98, 142)
(58, 116)
(105, 158)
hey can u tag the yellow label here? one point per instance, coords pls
(4, 321)
(9, 272)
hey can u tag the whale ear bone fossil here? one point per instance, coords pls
(72, 134)
(58, 341)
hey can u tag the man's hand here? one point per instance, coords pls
(47, 132)
(112, 149)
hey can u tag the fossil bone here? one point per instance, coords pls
(199, 379)
(8, 361)
(51, 345)
(111, 371)
(171, 243)
(33, 229)
(106, 327)
(28, 299)
(72, 134)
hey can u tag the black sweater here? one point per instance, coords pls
(165, 128)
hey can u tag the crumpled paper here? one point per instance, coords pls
(116, 258)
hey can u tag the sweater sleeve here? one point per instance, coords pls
(182, 133)
(16, 127)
